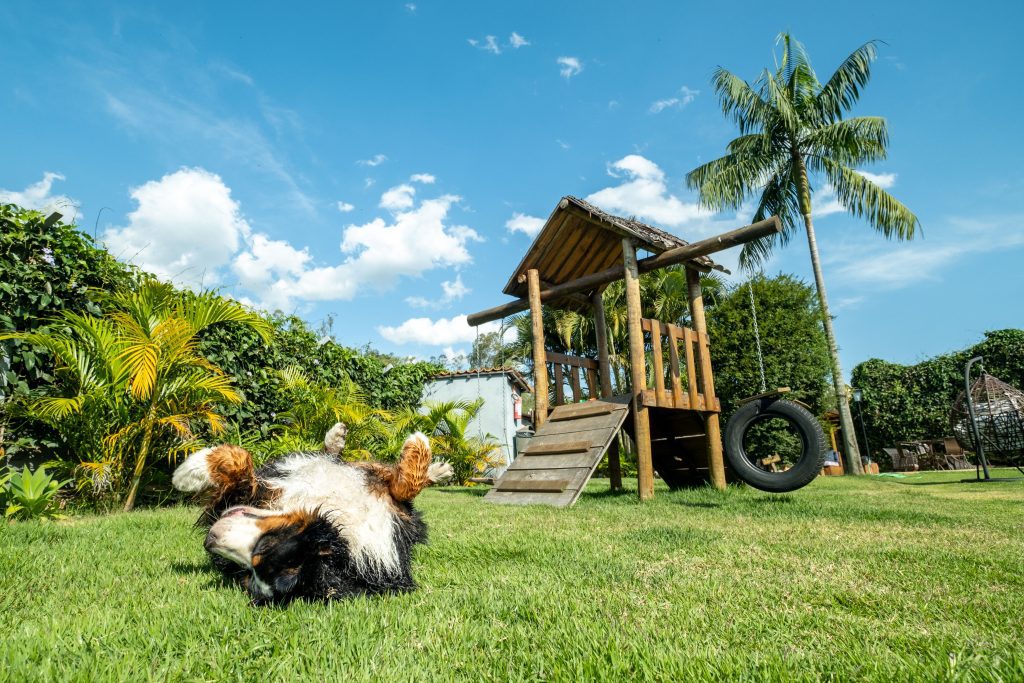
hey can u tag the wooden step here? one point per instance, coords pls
(558, 448)
(581, 410)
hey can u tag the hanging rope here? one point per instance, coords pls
(757, 334)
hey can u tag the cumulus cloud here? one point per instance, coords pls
(451, 290)
(185, 227)
(517, 41)
(267, 260)
(643, 192)
(377, 255)
(345, 207)
(528, 225)
(398, 198)
(376, 160)
(685, 96)
(427, 332)
(425, 178)
(38, 196)
(570, 66)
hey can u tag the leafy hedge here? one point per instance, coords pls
(48, 268)
(909, 402)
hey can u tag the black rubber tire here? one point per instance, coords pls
(812, 456)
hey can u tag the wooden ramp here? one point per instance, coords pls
(562, 455)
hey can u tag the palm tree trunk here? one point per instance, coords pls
(140, 462)
(850, 449)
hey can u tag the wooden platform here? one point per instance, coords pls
(562, 455)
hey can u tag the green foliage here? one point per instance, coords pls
(44, 269)
(791, 128)
(792, 342)
(133, 380)
(909, 402)
(29, 495)
(446, 423)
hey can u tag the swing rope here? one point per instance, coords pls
(757, 335)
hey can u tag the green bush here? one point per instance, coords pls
(909, 402)
(29, 495)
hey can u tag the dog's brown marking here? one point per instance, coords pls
(295, 520)
(410, 475)
(230, 466)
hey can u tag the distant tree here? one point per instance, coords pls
(792, 128)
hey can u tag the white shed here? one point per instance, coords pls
(501, 414)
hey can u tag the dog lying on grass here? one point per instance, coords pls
(309, 525)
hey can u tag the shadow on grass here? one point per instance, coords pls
(217, 579)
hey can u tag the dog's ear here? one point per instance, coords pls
(285, 583)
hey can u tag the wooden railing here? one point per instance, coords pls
(691, 385)
(578, 375)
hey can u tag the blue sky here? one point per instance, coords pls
(384, 162)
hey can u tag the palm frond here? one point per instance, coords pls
(210, 309)
(851, 142)
(843, 89)
(862, 197)
(740, 101)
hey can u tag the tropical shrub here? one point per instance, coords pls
(29, 495)
(446, 424)
(133, 382)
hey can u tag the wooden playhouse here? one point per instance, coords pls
(672, 405)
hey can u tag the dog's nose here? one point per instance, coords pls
(211, 541)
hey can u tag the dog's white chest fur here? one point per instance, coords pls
(364, 520)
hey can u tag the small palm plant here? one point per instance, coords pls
(134, 378)
(316, 407)
(447, 425)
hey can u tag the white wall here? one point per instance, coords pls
(495, 417)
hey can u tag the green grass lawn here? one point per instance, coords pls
(876, 578)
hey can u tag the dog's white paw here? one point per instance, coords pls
(439, 471)
(193, 475)
(334, 440)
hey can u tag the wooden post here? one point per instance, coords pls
(540, 361)
(713, 429)
(605, 368)
(638, 373)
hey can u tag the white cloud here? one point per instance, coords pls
(398, 198)
(376, 160)
(378, 254)
(425, 178)
(186, 226)
(38, 197)
(489, 44)
(570, 66)
(883, 180)
(345, 207)
(892, 265)
(644, 193)
(528, 225)
(267, 260)
(440, 332)
(451, 290)
(563, 144)
(410, 6)
(517, 41)
(686, 95)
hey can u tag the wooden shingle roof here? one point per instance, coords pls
(580, 239)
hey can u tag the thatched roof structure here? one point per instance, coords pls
(580, 239)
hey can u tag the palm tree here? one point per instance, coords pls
(791, 128)
(135, 375)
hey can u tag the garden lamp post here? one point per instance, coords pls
(858, 395)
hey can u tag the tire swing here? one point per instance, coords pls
(773, 474)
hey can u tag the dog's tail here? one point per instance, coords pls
(412, 470)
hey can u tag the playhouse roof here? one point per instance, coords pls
(580, 239)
